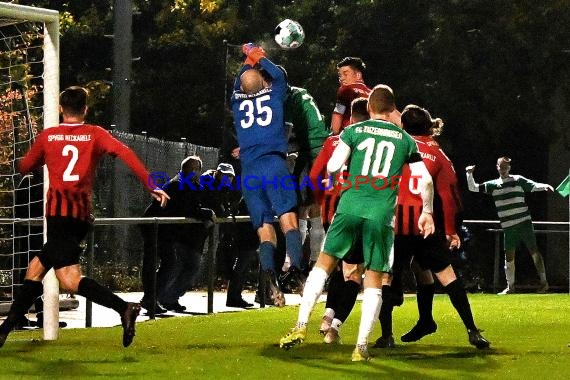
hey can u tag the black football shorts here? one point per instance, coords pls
(64, 236)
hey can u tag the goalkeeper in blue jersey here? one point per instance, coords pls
(308, 133)
(508, 193)
(258, 108)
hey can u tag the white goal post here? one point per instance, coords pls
(13, 13)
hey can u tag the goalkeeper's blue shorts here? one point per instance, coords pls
(268, 189)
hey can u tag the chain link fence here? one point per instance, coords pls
(118, 249)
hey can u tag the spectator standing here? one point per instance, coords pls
(222, 196)
(179, 245)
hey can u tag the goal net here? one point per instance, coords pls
(29, 87)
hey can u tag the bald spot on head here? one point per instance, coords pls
(251, 81)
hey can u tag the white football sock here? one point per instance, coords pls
(311, 293)
(510, 273)
(329, 313)
(371, 302)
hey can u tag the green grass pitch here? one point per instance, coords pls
(529, 334)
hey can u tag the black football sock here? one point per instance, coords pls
(386, 312)
(458, 297)
(39, 304)
(346, 300)
(425, 301)
(97, 293)
(334, 290)
(29, 291)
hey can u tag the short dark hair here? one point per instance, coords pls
(381, 99)
(191, 164)
(417, 121)
(359, 108)
(73, 100)
(354, 62)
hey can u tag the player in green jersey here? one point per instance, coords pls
(508, 192)
(377, 150)
(308, 135)
(308, 122)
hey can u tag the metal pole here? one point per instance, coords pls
(154, 263)
(497, 260)
(122, 62)
(225, 141)
(225, 76)
(211, 266)
(89, 273)
(51, 118)
(121, 95)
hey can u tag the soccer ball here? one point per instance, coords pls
(289, 34)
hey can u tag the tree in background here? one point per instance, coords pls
(496, 72)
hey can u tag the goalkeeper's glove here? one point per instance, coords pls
(254, 55)
(249, 61)
(245, 48)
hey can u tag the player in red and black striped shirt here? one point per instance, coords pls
(428, 254)
(71, 152)
(351, 77)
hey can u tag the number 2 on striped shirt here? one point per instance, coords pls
(67, 176)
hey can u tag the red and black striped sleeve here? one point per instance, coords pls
(115, 148)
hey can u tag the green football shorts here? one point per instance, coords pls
(520, 232)
(346, 231)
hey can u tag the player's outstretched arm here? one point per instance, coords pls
(114, 147)
(473, 186)
(542, 187)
